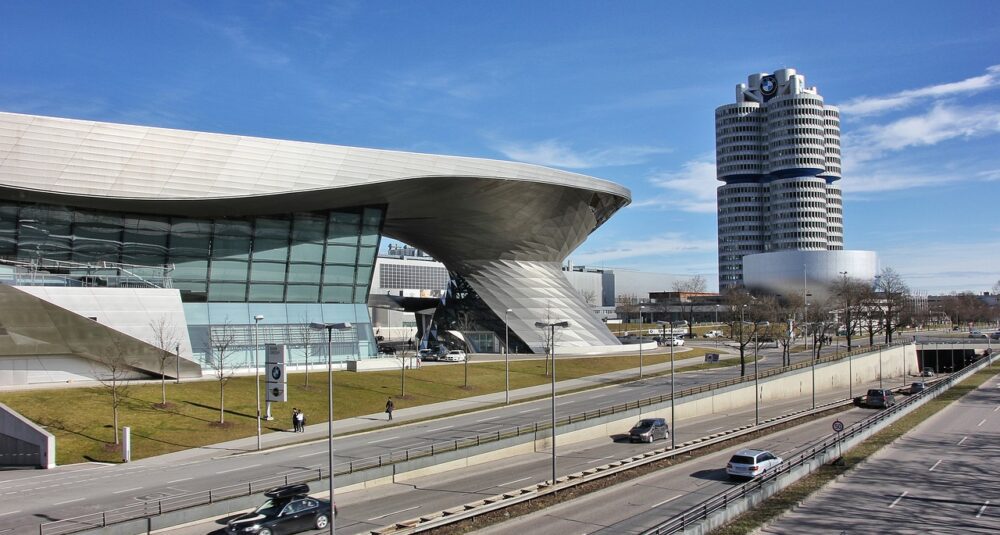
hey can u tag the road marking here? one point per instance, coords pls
(894, 502)
(179, 480)
(384, 439)
(714, 429)
(981, 509)
(997, 408)
(441, 428)
(311, 454)
(488, 419)
(237, 469)
(69, 501)
(655, 505)
(12, 512)
(935, 465)
(395, 512)
(566, 403)
(961, 441)
(981, 423)
(126, 490)
(512, 482)
(529, 410)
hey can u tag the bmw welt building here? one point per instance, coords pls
(139, 241)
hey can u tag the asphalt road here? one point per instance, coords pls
(942, 477)
(36, 497)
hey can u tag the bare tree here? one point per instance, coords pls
(589, 297)
(114, 372)
(849, 294)
(166, 339)
(871, 314)
(309, 338)
(782, 320)
(894, 293)
(745, 321)
(695, 284)
(222, 347)
(819, 325)
(627, 304)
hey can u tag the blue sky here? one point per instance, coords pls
(621, 91)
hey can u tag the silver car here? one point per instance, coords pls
(750, 463)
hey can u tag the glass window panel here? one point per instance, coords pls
(231, 240)
(236, 314)
(363, 276)
(229, 270)
(337, 294)
(298, 293)
(8, 230)
(191, 290)
(307, 273)
(308, 234)
(267, 272)
(189, 238)
(360, 294)
(341, 255)
(369, 236)
(227, 291)
(344, 228)
(373, 217)
(196, 313)
(192, 269)
(96, 237)
(338, 275)
(144, 241)
(366, 256)
(273, 293)
(271, 239)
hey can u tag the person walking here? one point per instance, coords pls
(295, 420)
(389, 407)
(301, 419)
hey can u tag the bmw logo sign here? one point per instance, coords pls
(768, 85)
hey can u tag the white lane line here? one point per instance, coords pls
(961, 441)
(488, 419)
(12, 512)
(529, 410)
(69, 501)
(395, 512)
(311, 454)
(981, 423)
(714, 429)
(237, 469)
(179, 480)
(935, 465)
(440, 428)
(384, 439)
(512, 482)
(600, 459)
(654, 506)
(565, 403)
(497, 426)
(894, 502)
(126, 490)
(997, 408)
(981, 509)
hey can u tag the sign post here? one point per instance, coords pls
(277, 384)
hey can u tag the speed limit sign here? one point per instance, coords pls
(838, 426)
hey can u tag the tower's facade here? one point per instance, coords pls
(778, 154)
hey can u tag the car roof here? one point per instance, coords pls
(751, 452)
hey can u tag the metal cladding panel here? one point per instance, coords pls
(786, 272)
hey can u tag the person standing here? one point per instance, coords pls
(389, 407)
(301, 421)
(295, 420)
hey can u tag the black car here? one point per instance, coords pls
(289, 509)
(880, 398)
(648, 430)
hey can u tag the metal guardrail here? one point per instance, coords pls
(174, 503)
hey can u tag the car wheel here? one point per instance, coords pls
(322, 521)
(264, 531)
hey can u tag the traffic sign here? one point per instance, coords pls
(838, 426)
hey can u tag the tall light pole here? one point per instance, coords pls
(850, 359)
(256, 369)
(716, 314)
(552, 353)
(506, 356)
(330, 327)
(756, 384)
(880, 366)
(673, 421)
(640, 340)
(177, 360)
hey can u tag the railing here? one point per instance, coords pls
(146, 509)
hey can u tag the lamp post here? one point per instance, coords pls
(256, 369)
(552, 353)
(640, 340)
(756, 384)
(880, 366)
(673, 421)
(716, 314)
(330, 327)
(177, 360)
(506, 356)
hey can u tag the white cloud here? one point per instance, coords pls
(874, 105)
(556, 153)
(943, 122)
(944, 267)
(692, 188)
(670, 243)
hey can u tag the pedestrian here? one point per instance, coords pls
(295, 420)
(302, 421)
(389, 406)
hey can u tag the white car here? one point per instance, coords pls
(674, 341)
(712, 334)
(748, 463)
(455, 355)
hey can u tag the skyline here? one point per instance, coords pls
(626, 96)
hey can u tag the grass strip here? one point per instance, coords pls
(793, 495)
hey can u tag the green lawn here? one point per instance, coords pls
(81, 418)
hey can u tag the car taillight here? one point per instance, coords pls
(754, 468)
(729, 465)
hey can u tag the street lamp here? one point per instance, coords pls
(640, 340)
(256, 369)
(177, 360)
(716, 314)
(330, 327)
(552, 353)
(673, 421)
(506, 356)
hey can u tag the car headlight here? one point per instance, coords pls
(252, 529)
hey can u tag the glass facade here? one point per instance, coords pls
(292, 268)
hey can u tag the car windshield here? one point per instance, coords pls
(271, 507)
(741, 459)
(644, 423)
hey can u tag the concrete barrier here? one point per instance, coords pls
(22, 443)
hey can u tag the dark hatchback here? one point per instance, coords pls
(289, 509)
(648, 430)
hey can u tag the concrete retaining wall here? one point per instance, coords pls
(22, 443)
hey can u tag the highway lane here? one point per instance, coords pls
(66, 493)
(942, 477)
(365, 510)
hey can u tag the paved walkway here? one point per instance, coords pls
(423, 412)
